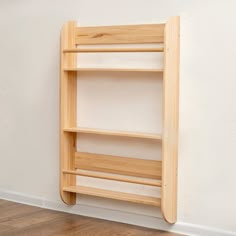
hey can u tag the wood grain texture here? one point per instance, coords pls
(22, 220)
(141, 199)
(67, 111)
(120, 34)
(114, 133)
(122, 178)
(170, 120)
(118, 165)
(105, 50)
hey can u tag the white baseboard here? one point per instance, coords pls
(114, 215)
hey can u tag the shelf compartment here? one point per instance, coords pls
(134, 180)
(134, 167)
(141, 199)
(115, 69)
(114, 133)
(106, 50)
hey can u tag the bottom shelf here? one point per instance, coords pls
(114, 195)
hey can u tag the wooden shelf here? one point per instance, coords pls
(114, 133)
(162, 38)
(121, 178)
(104, 50)
(115, 69)
(141, 199)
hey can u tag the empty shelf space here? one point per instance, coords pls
(114, 133)
(104, 50)
(114, 195)
(115, 69)
(121, 178)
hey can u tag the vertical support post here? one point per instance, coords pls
(170, 120)
(67, 111)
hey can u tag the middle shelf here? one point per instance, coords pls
(114, 133)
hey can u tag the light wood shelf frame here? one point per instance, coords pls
(162, 174)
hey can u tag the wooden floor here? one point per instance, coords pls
(19, 219)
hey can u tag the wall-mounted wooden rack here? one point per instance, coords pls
(162, 174)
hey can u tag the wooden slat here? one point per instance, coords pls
(105, 50)
(118, 165)
(120, 34)
(121, 178)
(114, 70)
(67, 111)
(141, 199)
(114, 133)
(170, 120)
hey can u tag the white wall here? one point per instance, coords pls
(29, 102)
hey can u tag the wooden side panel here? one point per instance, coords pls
(118, 165)
(67, 112)
(120, 34)
(170, 121)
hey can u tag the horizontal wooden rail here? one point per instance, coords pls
(127, 179)
(114, 195)
(114, 69)
(134, 167)
(105, 50)
(114, 133)
(120, 34)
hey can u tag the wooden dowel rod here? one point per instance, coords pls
(115, 69)
(115, 177)
(94, 50)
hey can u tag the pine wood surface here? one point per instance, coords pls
(119, 34)
(135, 167)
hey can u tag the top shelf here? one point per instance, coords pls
(104, 50)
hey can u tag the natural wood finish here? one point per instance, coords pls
(121, 178)
(105, 50)
(166, 171)
(114, 133)
(23, 220)
(120, 34)
(67, 111)
(118, 165)
(114, 195)
(114, 69)
(170, 120)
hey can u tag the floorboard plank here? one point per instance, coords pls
(23, 220)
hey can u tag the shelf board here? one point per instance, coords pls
(128, 179)
(104, 50)
(114, 133)
(141, 199)
(124, 166)
(115, 69)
